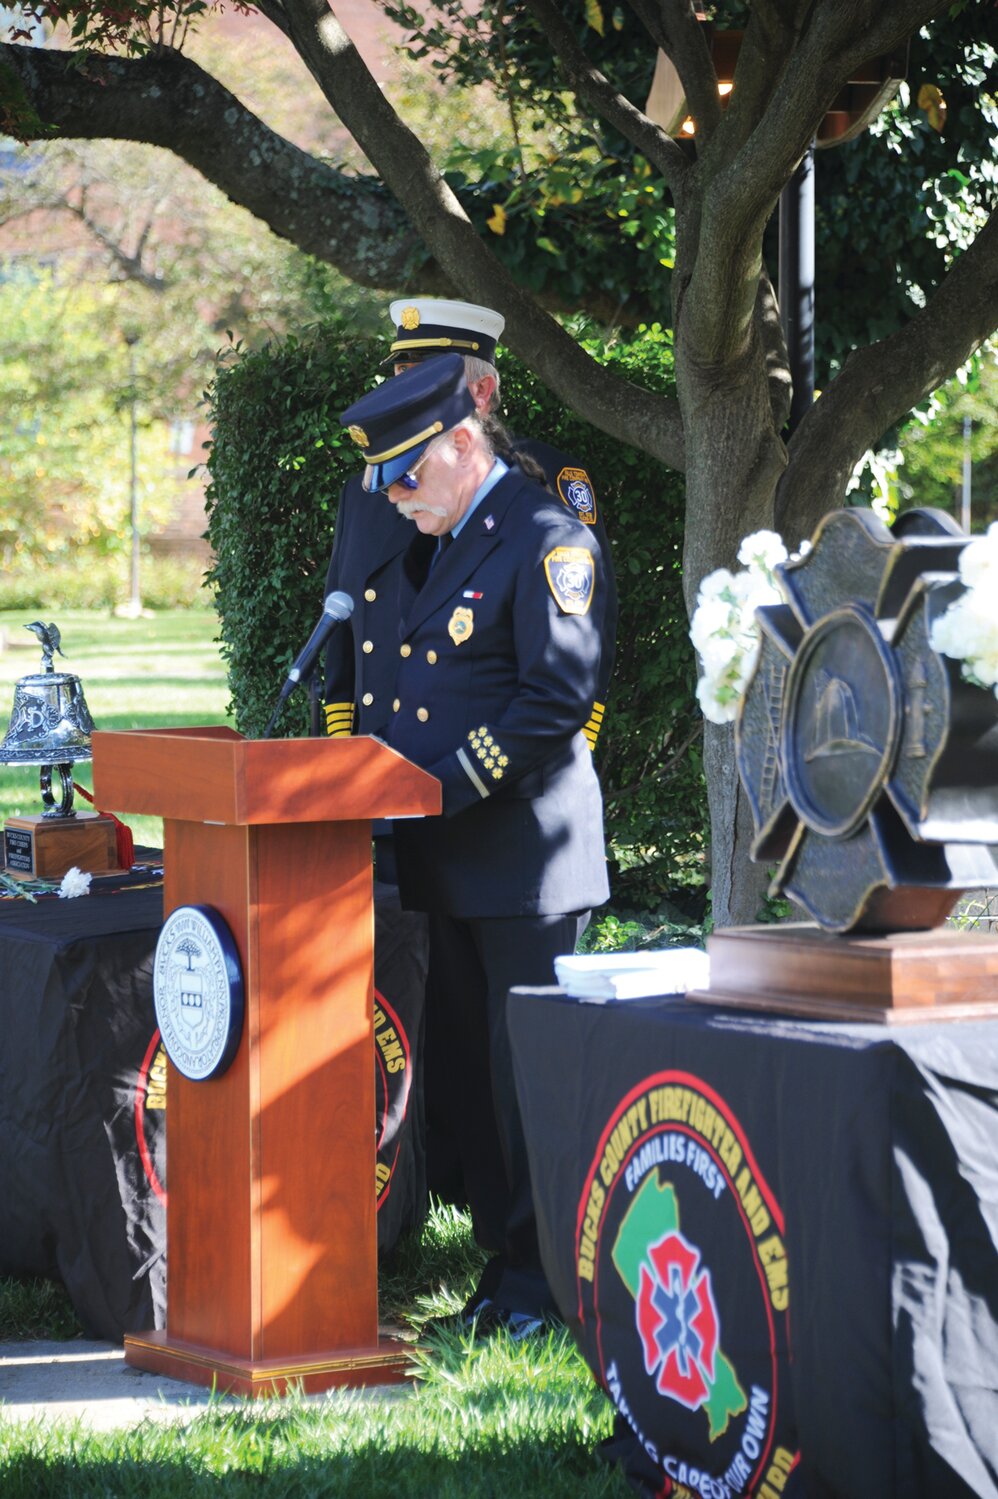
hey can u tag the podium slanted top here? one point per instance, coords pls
(214, 774)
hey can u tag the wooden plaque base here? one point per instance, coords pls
(43, 848)
(389, 1362)
(943, 974)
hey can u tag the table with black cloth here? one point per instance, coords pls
(83, 1094)
(82, 1128)
(774, 1240)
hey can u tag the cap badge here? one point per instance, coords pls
(410, 318)
(359, 436)
(460, 625)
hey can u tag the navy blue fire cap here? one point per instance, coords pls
(396, 422)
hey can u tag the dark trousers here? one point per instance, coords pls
(472, 1110)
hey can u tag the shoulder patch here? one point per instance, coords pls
(571, 577)
(576, 490)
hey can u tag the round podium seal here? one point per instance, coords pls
(198, 992)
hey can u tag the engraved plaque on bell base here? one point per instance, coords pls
(41, 848)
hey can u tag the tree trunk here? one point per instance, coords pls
(735, 458)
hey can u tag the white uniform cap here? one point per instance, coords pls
(436, 325)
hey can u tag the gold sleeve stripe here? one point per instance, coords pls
(598, 710)
(472, 773)
(592, 728)
(339, 719)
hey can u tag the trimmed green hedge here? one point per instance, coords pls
(277, 463)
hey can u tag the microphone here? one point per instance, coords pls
(337, 608)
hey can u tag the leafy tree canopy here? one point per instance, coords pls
(521, 240)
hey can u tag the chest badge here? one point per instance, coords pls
(460, 625)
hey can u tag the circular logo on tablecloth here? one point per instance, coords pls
(681, 1270)
(392, 1088)
(198, 992)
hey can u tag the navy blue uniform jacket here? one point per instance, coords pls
(498, 662)
(362, 654)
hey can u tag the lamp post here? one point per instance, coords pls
(134, 607)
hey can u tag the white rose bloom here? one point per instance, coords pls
(762, 549)
(74, 883)
(979, 562)
(715, 583)
(713, 710)
(755, 589)
(717, 653)
(711, 617)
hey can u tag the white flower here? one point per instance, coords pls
(979, 561)
(763, 549)
(724, 629)
(712, 617)
(715, 584)
(968, 631)
(711, 708)
(74, 882)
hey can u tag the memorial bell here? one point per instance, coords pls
(50, 726)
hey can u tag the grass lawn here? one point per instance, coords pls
(136, 674)
(487, 1420)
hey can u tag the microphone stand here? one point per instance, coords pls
(314, 714)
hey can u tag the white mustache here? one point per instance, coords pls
(409, 508)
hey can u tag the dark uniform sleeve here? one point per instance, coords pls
(338, 695)
(570, 484)
(557, 613)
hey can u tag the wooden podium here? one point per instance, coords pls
(272, 1273)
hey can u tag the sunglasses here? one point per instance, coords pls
(408, 479)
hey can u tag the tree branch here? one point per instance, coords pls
(672, 26)
(607, 401)
(881, 383)
(592, 86)
(741, 194)
(351, 222)
(165, 99)
(130, 265)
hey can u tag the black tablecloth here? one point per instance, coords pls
(775, 1241)
(82, 1129)
(83, 1096)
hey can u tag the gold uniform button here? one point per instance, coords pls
(396, 705)
(367, 699)
(367, 647)
(431, 656)
(422, 714)
(370, 595)
(405, 650)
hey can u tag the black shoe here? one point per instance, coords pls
(490, 1319)
(488, 1284)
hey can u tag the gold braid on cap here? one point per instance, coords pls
(403, 447)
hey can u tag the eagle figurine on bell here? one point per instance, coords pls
(50, 726)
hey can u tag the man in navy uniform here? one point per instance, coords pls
(361, 659)
(498, 640)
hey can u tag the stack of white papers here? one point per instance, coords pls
(600, 977)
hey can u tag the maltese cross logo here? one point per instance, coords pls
(677, 1320)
